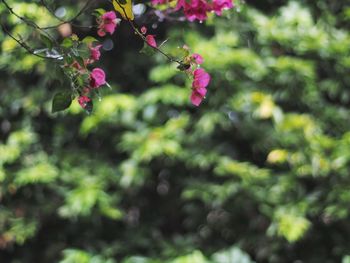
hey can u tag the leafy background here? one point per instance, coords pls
(258, 173)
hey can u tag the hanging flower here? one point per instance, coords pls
(97, 78)
(219, 5)
(151, 41)
(107, 23)
(201, 80)
(194, 9)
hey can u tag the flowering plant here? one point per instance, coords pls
(77, 57)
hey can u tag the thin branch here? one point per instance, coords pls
(70, 20)
(24, 45)
(51, 11)
(27, 21)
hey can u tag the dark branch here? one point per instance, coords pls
(24, 45)
(70, 21)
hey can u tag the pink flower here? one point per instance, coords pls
(197, 98)
(107, 24)
(95, 53)
(151, 41)
(201, 80)
(97, 78)
(83, 101)
(194, 9)
(198, 9)
(197, 58)
(219, 5)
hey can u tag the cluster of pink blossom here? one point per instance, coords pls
(198, 9)
(201, 78)
(150, 39)
(107, 23)
(97, 76)
(200, 81)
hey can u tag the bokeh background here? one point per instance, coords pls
(258, 173)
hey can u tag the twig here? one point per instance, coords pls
(70, 20)
(27, 21)
(24, 45)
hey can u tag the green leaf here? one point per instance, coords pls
(68, 59)
(181, 53)
(89, 40)
(233, 254)
(67, 43)
(61, 101)
(84, 51)
(99, 11)
(82, 79)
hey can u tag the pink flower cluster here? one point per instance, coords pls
(107, 23)
(97, 76)
(150, 39)
(200, 81)
(201, 78)
(198, 9)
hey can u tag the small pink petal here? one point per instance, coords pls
(101, 33)
(109, 16)
(201, 79)
(95, 53)
(202, 91)
(196, 98)
(151, 41)
(198, 58)
(110, 28)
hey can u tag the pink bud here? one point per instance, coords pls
(197, 58)
(143, 30)
(151, 41)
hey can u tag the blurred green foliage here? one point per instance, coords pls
(258, 173)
